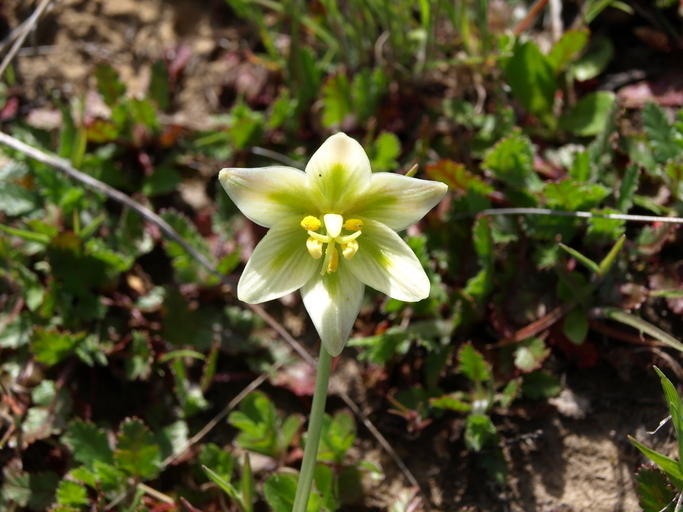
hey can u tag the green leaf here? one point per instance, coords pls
(479, 432)
(88, 443)
(662, 136)
(451, 402)
(627, 318)
(338, 434)
(590, 115)
(572, 196)
(569, 45)
(585, 261)
(159, 89)
(530, 354)
(595, 60)
(16, 333)
(575, 325)
(72, 493)
(668, 465)
(220, 460)
(675, 409)
(472, 364)
(51, 347)
(540, 384)
(136, 452)
(31, 236)
(511, 160)
(257, 421)
(627, 188)
(226, 486)
(336, 100)
(164, 180)
(108, 84)
(144, 113)
(138, 365)
(248, 485)
(531, 77)
(655, 494)
(279, 491)
(608, 261)
(385, 151)
(325, 483)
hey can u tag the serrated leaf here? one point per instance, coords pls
(655, 494)
(531, 77)
(472, 364)
(338, 434)
(572, 196)
(540, 384)
(336, 100)
(511, 160)
(627, 188)
(138, 365)
(108, 84)
(661, 134)
(479, 431)
(136, 452)
(325, 483)
(159, 89)
(386, 150)
(530, 354)
(667, 464)
(50, 346)
(72, 493)
(88, 443)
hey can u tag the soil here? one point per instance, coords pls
(570, 454)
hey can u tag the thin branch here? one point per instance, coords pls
(561, 213)
(27, 26)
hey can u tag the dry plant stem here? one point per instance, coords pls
(315, 425)
(561, 213)
(25, 31)
(65, 167)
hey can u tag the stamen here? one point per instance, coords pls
(348, 238)
(334, 262)
(311, 223)
(354, 224)
(315, 248)
(330, 252)
(349, 250)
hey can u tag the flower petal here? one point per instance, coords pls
(338, 174)
(386, 263)
(398, 201)
(333, 302)
(266, 194)
(279, 264)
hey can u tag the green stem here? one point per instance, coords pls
(315, 423)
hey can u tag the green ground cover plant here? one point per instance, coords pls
(129, 368)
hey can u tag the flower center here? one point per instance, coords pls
(334, 224)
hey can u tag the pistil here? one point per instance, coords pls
(333, 223)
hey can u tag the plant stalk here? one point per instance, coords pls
(303, 490)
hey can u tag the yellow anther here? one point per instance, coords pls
(349, 250)
(315, 248)
(334, 262)
(354, 224)
(311, 223)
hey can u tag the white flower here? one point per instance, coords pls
(332, 231)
